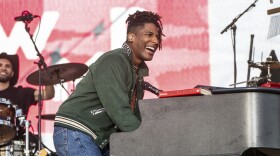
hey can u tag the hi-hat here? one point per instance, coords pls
(58, 74)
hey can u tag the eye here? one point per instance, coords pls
(8, 66)
(149, 34)
(158, 37)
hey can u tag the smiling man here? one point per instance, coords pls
(106, 100)
(23, 97)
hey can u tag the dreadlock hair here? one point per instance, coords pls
(139, 18)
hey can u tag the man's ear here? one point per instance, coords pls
(130, 37)
(13, 73)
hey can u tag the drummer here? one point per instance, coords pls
(9, 94)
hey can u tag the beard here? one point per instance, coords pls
(5, 79)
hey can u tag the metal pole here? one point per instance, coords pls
(26, 151)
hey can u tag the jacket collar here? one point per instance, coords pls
(143, 69)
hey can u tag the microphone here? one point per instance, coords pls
(26, 17)
(147, 86)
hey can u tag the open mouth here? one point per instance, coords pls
(151, 49)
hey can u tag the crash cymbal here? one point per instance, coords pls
(58, 74)
(266, 64)
(47, 116)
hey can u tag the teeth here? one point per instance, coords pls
(151, 48)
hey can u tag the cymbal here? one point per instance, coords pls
(265, 65)
(58, 74)
(47, 116)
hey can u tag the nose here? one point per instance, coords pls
(3, 68)
(155, 39)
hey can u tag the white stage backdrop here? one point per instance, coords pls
(194, 50)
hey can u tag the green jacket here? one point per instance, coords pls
(100, 105)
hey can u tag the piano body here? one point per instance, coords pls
(229, 122)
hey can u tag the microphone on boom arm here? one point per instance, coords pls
(147, 86)
(26, 17)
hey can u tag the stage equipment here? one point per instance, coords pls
(231, 122)
(47, 116)
(58, 74)
(233, 27)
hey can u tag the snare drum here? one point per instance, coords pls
(7, 120)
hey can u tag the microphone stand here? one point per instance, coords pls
(233, 27)
(40, 63)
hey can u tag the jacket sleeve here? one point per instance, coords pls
(110, 78)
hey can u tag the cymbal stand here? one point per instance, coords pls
(57, 71)
(73, 85)
(233, 27)
(40, 63)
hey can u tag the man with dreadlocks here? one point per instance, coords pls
(106, 99)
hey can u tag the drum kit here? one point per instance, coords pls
(264, 66)
(13, 122)
(263, 81)
(12, 125)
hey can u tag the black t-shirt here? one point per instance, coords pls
(21, 97)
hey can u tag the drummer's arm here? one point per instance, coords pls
(47, 93)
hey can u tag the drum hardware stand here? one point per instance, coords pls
(27, 151)
(251, 83)
(233, 27)
(268, 74)
(250, 60)
(25, 123)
